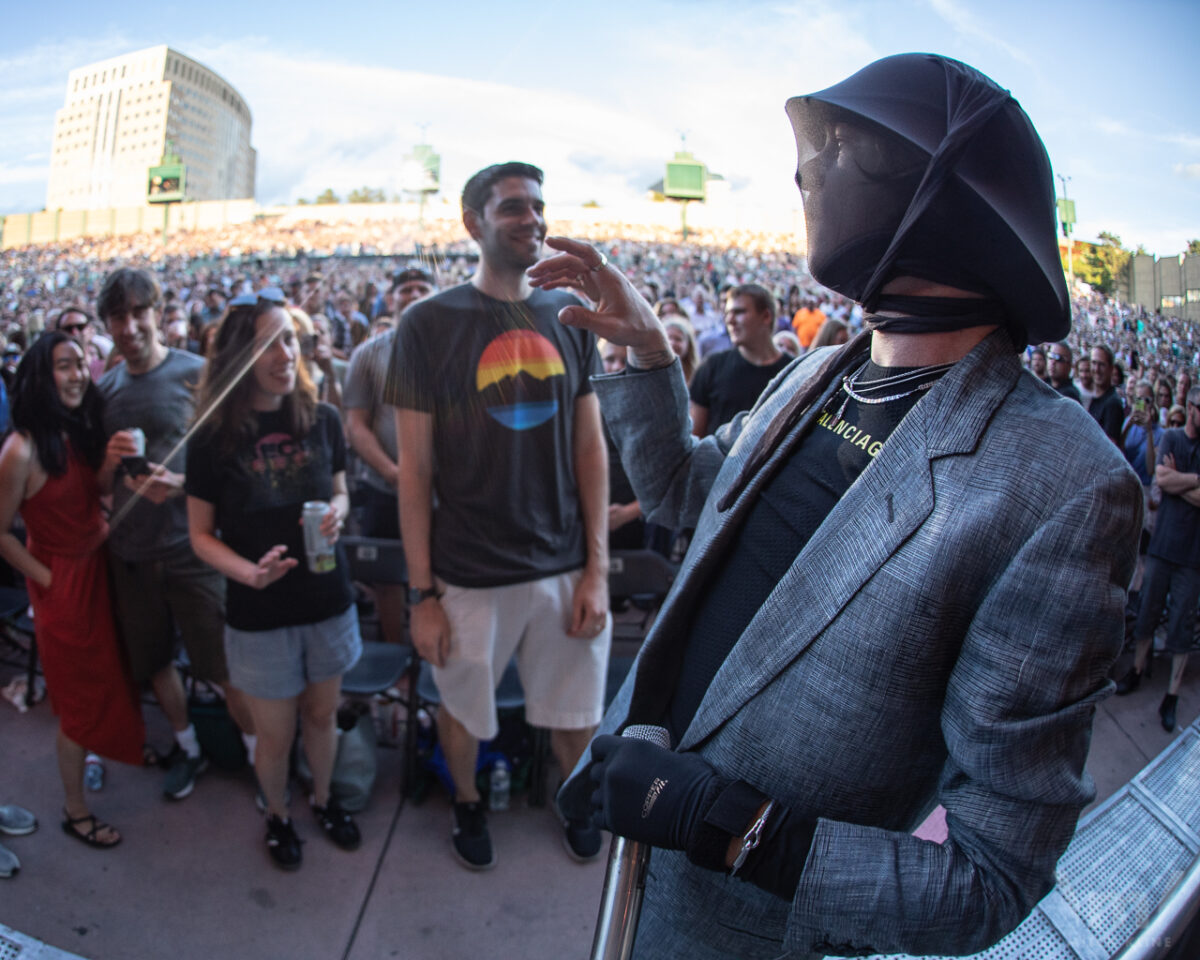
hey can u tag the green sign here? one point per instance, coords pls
(168, 179)
(686, 178)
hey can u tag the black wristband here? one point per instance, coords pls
(778, 862)
(729, 806)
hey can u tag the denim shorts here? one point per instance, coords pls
(280, 663)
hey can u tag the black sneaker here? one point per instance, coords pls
(338, 825)
(182, 771)
(582, 840)
(471, 840)
(282, 843)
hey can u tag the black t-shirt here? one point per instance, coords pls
(1069, 390)
(727, 383)
(258, 495)
(788, 511)
(500, 380)
(1177, 530)
(1107, 411)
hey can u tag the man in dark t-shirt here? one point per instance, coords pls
(496, 413)
(1059, 367)
(1172, 559)
(1106, 407)
(729, 382)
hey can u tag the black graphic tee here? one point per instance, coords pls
(500, 380)
(791, 506)
(258, 496)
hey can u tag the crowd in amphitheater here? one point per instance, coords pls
(314, 349)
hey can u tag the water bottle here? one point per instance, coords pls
(501, 785)
(93, 772)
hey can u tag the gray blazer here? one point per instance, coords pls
(944, 636)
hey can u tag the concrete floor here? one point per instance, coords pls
(192, 879)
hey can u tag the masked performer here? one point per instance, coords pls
(884, 607)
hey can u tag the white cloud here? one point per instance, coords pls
(1189, 170)
(1115, 128)
(1189, 140)
(320, 122)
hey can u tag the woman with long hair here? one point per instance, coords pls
(267, 449)
(833, 333)
(682, 338)
(53, 469)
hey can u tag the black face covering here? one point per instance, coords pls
(921, 166)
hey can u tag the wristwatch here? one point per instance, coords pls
(416, 594)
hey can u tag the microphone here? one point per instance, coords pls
(625, 880)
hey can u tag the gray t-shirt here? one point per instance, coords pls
(501, 381)
(161, 402)
(363, 390)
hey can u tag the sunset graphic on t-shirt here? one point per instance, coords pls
(513, 375)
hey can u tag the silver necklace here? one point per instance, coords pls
(934, 370)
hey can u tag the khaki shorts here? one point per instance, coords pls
(155, 598)
(563, 677)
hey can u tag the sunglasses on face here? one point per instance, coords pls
(1059, 358)
(73, 327)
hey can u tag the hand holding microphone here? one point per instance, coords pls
(648, 793)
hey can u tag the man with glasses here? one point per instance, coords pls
(1105, 407)
(159, 585)
(1059, 368)
(77, 323)
(1173, 560)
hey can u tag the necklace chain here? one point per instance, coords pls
(934, 372)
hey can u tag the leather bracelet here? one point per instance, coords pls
(752, 837)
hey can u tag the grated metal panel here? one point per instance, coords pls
(1174, 780)
(1035, 939)
(9, 950)
(1118, 869)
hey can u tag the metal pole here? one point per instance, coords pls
(1070, 244)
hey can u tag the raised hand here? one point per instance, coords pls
(621, 315)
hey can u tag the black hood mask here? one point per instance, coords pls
(921, 166)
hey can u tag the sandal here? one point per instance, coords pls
(90, 838)
(150, 756)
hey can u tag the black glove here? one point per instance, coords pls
(645, 792)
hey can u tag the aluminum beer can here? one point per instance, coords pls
(139, 438)
(317, 548)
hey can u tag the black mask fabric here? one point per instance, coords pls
(921, 166)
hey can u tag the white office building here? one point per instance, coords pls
(119, 115)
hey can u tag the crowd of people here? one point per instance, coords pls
(284, 337)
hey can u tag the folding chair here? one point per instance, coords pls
(16, 629)
(643, 578)
(373, 560)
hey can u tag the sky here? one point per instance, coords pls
(600, 94)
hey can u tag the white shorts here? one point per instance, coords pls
(563, 677)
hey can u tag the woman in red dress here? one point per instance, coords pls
(53, 469)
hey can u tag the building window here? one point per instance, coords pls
(1193, 296)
